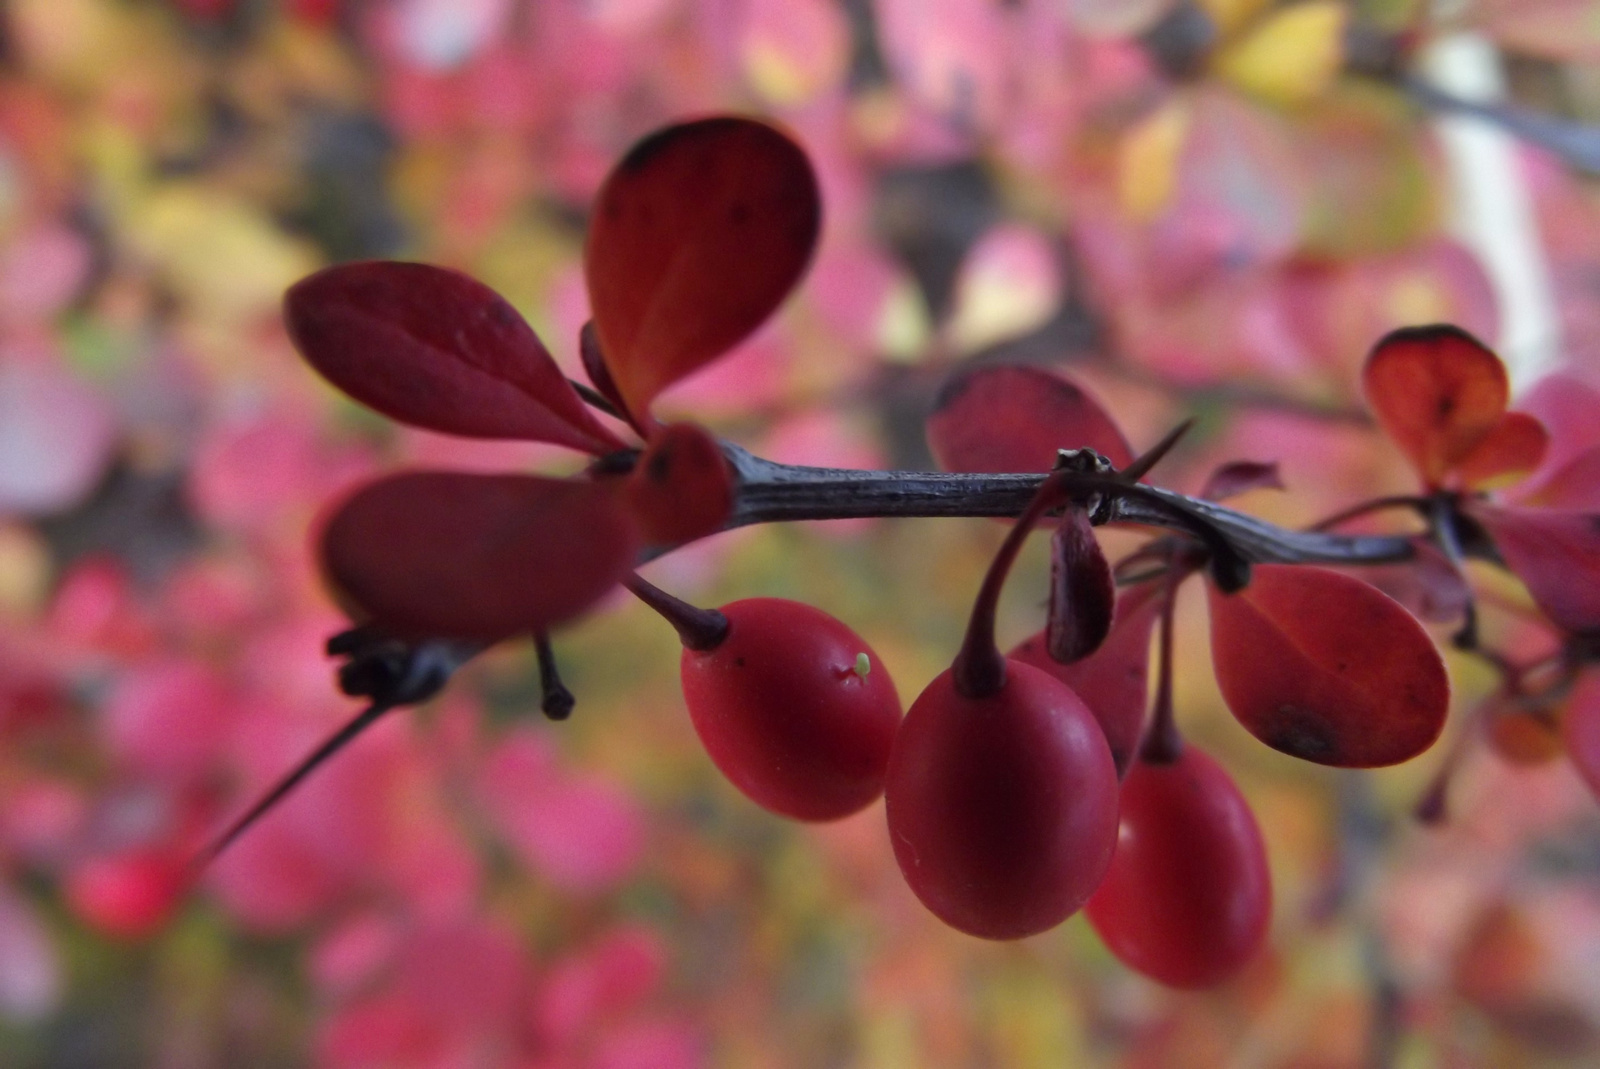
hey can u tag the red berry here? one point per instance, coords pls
(1002, 809)
(789, 710)
(1188, 897)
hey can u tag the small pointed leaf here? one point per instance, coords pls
(1008, 418)
(1082, 595)
(1556, 554)
(1323, 667)
(436, 349)
(1241, 476)
(681, 488)
(437, 554)
(697, 236)
(1437, 392)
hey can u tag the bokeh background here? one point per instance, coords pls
(1208, 209)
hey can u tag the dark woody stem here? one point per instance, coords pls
(769, 492)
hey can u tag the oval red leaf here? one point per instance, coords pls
(1556, 555)
(436, 349)
(437, 554)
(1010, 418)
(1437, 392)
(697, 236)
(681, 488)
(1321, 666)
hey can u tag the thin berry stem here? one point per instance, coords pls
(979, 669)
(698, 629)
(334, 743)
(1162, 743)
(555, 700)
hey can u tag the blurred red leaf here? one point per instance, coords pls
(1111, 681)
(1428, 585)
(477, 556)
(1013, 419)
(1580, 729)
(1556, 554)
(1512, 449)
(1323, 667)
(1241, 476)
(697, 236)
(681, 488)
(1574, 485)
(128, 895)
(436, 349)
(1438, 392)
(1082, 595)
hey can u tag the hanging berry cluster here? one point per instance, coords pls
(1019, 788)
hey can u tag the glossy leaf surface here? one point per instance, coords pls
(1013, 419)
(681, 488)
(477, 556)
(1188, 897)
(1437, 392)
(1556, 554)
(789, 712)
(1323, 667)
(436, 349)
(1112, 681)
(697, 236)
(1002, 810)
(1082, 595)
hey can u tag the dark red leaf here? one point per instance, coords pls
(1241, 476)
(1009, 418)
(1112, 680)
(1082, 595)
(1437, 392)
(697, 236)
(1511, 450)
(1556, 554)
(681, 488)
(436, 349)
(1324, 667)
(594, 365)
(477, 556)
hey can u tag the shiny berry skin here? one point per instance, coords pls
(786, 711)
(1188, 897)
(1002, 809)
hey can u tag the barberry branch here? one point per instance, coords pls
(770, 492)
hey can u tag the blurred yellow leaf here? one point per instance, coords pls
(1292, 57)
(24, 570)
(903, 328)
(1147, 161)
(1231, 15)
(224, 257)
(1009, 285)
